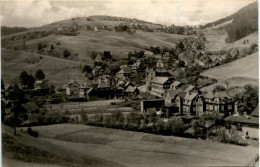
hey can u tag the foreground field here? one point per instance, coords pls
(140, 149)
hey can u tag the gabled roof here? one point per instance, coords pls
(159, 80)
(124, 70)
(176, 83)
(172, 93)
(190, 95)
(184, 87)
(86, 84)
(43, 85)
(8, 86)
(103, 85)
(30, 106)
(97, 68)
(189, 88)
(131, 89)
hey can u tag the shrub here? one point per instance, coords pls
(32, 132)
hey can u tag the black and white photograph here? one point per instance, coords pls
(129, 83)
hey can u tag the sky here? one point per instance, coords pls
(34, 13)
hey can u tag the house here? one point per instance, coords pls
(132, 91)
(83, 88)
(72, 88)
(156, 104)
(159, 85)
(162, 63)
(249, 125)
(173, 98)
(7, 89)
(98, 58)
(30, 108)
(107, 55)
(189, 102)
(43, 88)
(148, 54)
(97, 70)
(219, 102)
(124, 72)
(152, 73)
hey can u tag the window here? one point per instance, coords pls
(216, 108)
(230, 107)
(211, 107)
(222, 108)
(207, 106)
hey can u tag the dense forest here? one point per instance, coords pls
(11, 30)
(245, 22)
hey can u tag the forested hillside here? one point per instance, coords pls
(245, 22)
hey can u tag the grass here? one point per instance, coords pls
(237, 73)
(140, 149)
(13, 63)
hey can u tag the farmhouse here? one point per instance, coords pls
(72, 88)
(124, 72)
(159, 85)
(98, 58)
(162, 63)
(97, 70)
(43, 87)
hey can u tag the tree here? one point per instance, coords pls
(219, 88)
(181, 64)
(23, 78)
(93, 55)
(247, 100)
(26, 80)
(66, 53)
(178, 126)
(39, 75)
(40, 46)
(87, 69)
(84, 117)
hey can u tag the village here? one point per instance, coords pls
(156, 80)
(117, 83)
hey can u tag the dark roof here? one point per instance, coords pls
(172, 93)
(30, 106)
(182, 94)
(255, 113)
(43, 85)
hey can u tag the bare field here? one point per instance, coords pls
(140, 149)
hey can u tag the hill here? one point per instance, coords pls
(237, 74)
(58, 71)
(244, 22)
